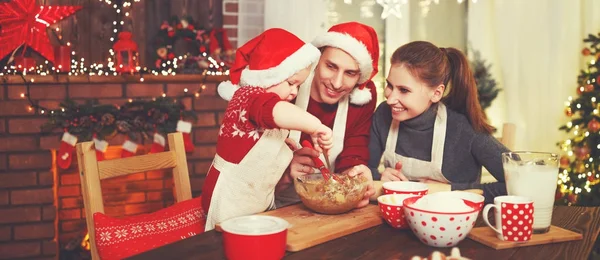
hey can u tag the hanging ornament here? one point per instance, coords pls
(558, 195)
(101, 147)
(580, 90)
(591, 178)
(586, 52)
(598, 78)
(569, 111)
(593, 125)
(390, 7)
(580, 167)
(65, 151)
(159, 144)
(582, 152)
(129, 149)
(572, 198)
(23, 21)
(588, 88)
(564, 162)
(186, 128)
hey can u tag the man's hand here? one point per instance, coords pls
(395, 174)
(366, 172)
(302, 162)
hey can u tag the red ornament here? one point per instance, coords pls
(598, 78)
(582, 152)
(568, 111)
(588, 88)
(558, 195)
(25, 22)
(594, 125)
(585, 51)
(564, 162)
(126, 54)
(580, 90)
(572, 198)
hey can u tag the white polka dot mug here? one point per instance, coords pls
(514, 218)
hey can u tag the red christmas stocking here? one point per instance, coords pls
(186, 128)
(101, 146)
(65, 151)
(159, 144)
(129, 149)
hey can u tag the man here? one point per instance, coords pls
(341, 94)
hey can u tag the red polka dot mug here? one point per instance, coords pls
(514, 218)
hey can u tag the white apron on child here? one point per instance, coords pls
(289, 195)
(248, 187)
(415, 169)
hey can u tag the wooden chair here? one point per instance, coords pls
(92, 171)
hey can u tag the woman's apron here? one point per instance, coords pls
(415, 169)
(289, 196)
(248, 187)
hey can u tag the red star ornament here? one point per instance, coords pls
(25, 22)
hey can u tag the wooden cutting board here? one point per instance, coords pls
(487, 236)
(308, 228)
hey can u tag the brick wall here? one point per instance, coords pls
(230, 20)
(36, 206)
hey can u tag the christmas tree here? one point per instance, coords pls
(487, 89)
(579, 176)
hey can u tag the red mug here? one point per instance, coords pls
(255, 237)
(514, 218)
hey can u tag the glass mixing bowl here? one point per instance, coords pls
(330, 197)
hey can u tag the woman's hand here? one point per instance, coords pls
(395, 174)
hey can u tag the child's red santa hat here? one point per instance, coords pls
(268, 60)
(360, 41)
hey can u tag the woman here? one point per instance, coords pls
(428, 137)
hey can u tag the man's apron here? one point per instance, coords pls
(289, 195)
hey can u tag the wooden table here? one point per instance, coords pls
(383, 242)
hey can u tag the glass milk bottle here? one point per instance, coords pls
(533, 175)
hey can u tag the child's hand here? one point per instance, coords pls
(322, 138)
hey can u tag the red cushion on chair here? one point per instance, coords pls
(118, 238)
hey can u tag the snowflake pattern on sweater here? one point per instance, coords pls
(236, 122)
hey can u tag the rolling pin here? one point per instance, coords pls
(433, 188)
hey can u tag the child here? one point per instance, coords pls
(251, 150)
(430, 137)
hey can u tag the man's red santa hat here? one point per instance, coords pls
(268, 60)
(360, 41)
